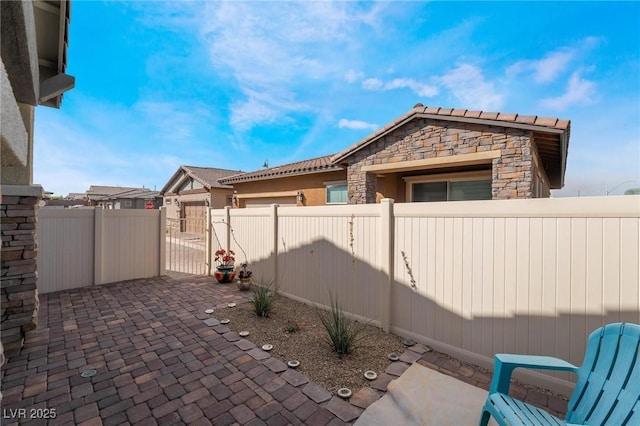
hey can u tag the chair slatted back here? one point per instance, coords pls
(608, 387)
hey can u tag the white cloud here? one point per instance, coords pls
(352, 76)
(579, 91)
(467, 83)
(553, 64)
(419, 88)
(278, 49)
(373, 84)
(356, 125)
(173, 121)
(546, 69)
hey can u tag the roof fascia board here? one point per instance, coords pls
(414, 114)
(171, 180)
(493, 123)
(20, 50)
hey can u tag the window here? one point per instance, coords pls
(167, 201)
(127, 203)
(449, 187)
(336, 192)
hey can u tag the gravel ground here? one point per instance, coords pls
(295, 331)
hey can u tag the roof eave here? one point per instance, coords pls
(284, 175)
(411, 115)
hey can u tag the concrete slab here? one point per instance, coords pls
(422, 396)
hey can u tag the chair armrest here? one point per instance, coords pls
(504, 364)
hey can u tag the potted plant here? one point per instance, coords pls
(225, 272)
(245, 277)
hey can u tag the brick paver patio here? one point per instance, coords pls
(160, 359)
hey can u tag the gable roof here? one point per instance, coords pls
(131, 193)
(97, 192)
(207, 176)
(552, 147)
(313, 165)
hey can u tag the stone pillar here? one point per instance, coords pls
(18, 285)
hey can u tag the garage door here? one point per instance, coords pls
(195, 214)
(266, 202)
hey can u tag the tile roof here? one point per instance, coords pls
(209, 176)
(531, 122)
(313, 165)
(133, 193)
(97, 192)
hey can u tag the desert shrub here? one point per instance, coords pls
(292, 327)
(264, 296)
(342, 332)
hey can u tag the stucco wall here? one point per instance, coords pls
(425, 138)
(312, 186)
(218, 199)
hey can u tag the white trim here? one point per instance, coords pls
(335, 182)
(482, 157)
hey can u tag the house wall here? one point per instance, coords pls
(512, 172)
(312, 186)
(217, 196)
(470, 279)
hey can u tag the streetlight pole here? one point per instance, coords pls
(618, 186)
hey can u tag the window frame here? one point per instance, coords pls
(481, 175)
(335, 183)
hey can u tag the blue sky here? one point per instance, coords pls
(232, 84)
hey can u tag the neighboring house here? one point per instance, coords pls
(427, 154)
(191, 190)
(34, 60)
(311, 182)
(115, 197)
(441, 154)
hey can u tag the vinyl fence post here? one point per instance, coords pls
(162, 267)
(274, 227)
(227, 235)
(208, 229)
(98, 234)
(386, 261)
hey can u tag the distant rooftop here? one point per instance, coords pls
(313, 165)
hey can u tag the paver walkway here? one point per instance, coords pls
(157, 362)
(160, 359)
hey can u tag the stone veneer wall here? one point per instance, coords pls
(427, 138)
(18, 289)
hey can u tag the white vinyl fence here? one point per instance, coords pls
(83, 247)
(468, 278)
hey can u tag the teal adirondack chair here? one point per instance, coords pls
(607, 391)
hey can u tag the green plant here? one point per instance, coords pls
(292, 327)
(264, 296)
(342, 332)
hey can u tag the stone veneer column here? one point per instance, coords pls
(18, 285)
